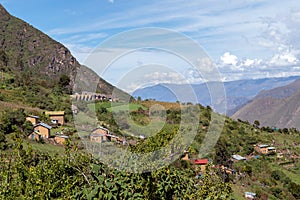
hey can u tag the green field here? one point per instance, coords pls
(45, 147)
(149, 130)
(115, 106)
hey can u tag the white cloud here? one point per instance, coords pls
(229, 59)
(284, 59)
(248, 62)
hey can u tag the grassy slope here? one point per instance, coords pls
(264, 165)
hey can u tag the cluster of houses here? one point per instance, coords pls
(263, 149)
(41, 130)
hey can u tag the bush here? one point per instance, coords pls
(278, 175)
(294, 189)
(277, 192)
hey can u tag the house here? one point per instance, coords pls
(250, 195)
(238, 157)
(43, 130)
(33, 119)
(61, 139)
(201, 162)
(34, 136)
(58, 117)
(99, 138)
(271, 150)
(99, 135)
(261, 148)
(264, 149)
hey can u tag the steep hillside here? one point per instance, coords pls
(281, 92)
(24, 48)
(28, 54)
(278, 107)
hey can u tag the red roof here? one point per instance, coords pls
(201, 161)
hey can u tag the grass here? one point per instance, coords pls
(12, 105)
(130, 107)
(238, 193)
(83, 119)
(49, 148)
(4, 75)
(149, 130)
(294, 175)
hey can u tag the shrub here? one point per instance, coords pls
(278, 175)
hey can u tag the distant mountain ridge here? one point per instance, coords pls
(238, 92)
(278, 107)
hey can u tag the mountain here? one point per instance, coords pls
(237, 93)
(24, 48)
(278, 107)
(27, 52)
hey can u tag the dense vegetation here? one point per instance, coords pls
(278, 180)
(74, 174)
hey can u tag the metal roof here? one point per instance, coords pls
(62, 136)
(44, 125)
(238, 157)
(250, 193)
(55, 112)
(100, 128)
(263, 146)
(33, 116)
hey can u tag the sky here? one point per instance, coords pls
(245, 39)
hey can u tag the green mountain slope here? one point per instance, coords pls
(24, 50)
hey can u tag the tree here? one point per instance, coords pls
(3, 142)
(294, 188)
(64, 80)
(285, 131)
(13, 121)
(256, 123)
(63, 85)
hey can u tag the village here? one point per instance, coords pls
(260, 149)
(42, 131)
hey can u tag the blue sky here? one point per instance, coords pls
(245, 38)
